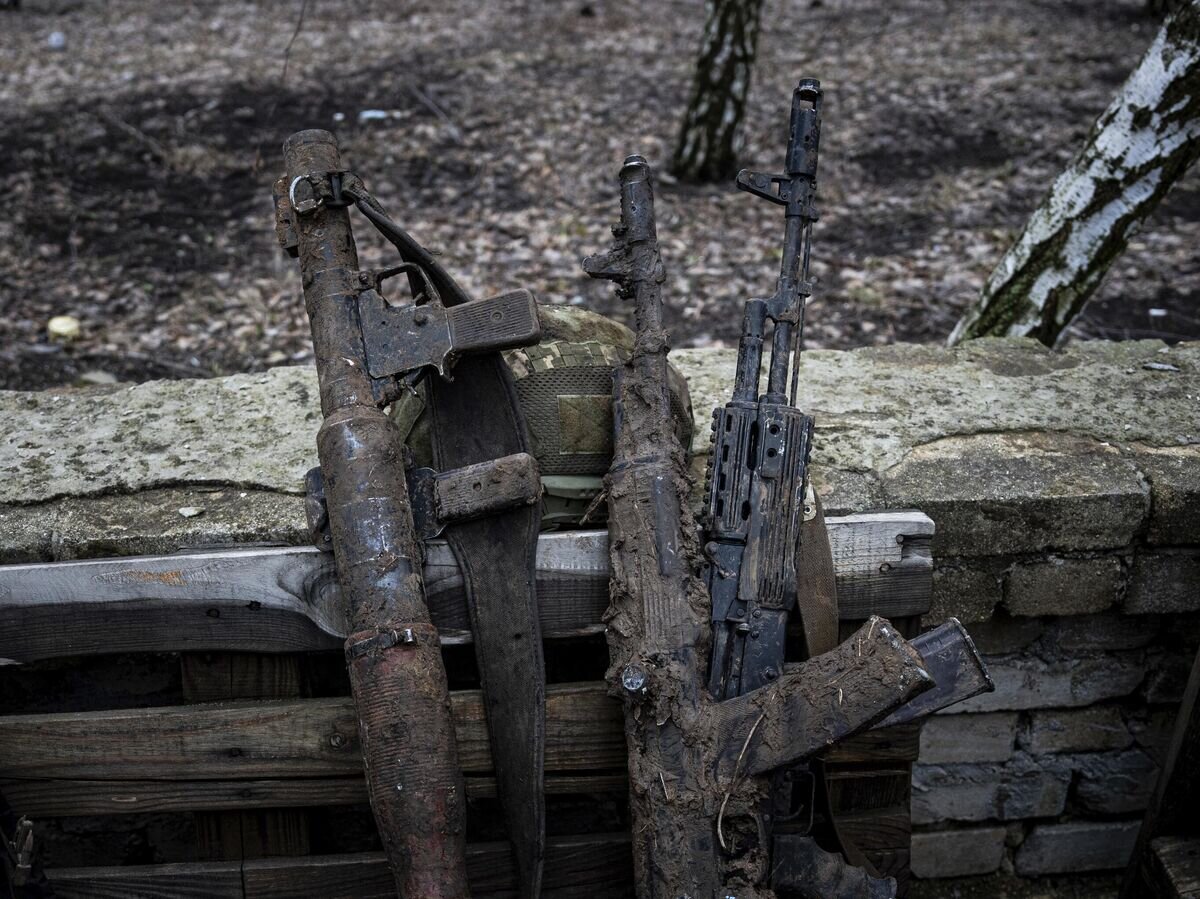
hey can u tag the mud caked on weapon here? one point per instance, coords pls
(700, 769)
(697, 619)
(373, 517)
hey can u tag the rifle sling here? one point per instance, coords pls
(816, 602)
(816, 589)
(476, 417)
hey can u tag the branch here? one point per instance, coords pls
(1138, 148)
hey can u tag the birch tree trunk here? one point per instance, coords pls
(709, 137)
(1137, 149)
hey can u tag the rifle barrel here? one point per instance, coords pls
(799, 186)
(749, 361)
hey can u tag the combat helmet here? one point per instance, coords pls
(564, 384)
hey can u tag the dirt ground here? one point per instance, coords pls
(1007, 886)
(140, 140)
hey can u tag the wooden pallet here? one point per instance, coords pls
(227, 760)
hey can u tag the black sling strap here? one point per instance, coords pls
(476, 418)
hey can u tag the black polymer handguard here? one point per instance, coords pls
(755, 511)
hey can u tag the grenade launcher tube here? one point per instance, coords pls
(396, 671)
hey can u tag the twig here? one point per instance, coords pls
(287, 51)
(594, 505)
(733, 783)
(429, 103)
(157, 150)
(287, 58)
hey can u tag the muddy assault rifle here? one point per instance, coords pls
(757, 472)
(766, 548)
(367, 353)
(705, 741)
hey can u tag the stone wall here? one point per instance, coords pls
(1063, 485)
(1064, 488)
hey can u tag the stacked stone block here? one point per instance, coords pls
(1090, 650)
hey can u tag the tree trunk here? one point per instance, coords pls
(1138, 148)
(709, 138)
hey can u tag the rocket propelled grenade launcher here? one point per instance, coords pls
(761, 444)
(373, 515)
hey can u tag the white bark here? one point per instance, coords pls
(1138, 148)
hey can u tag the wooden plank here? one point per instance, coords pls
(857, 790)
(883, 562)
(212, 880)
(291, 753)
(885, 745)
(242, 833)
(1176, 862)
(578, 867)
(282, 738)
(286, 599)
(877, 829)
(221, 677)
(64, 798)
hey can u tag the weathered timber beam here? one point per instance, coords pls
(280, 738)
(593, 865)
(293, 753)
(70, 798)
(819, 703)
(286, 599)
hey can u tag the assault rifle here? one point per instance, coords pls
(761, 508)
(766, 548)
(702, 762)
(759, 463)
